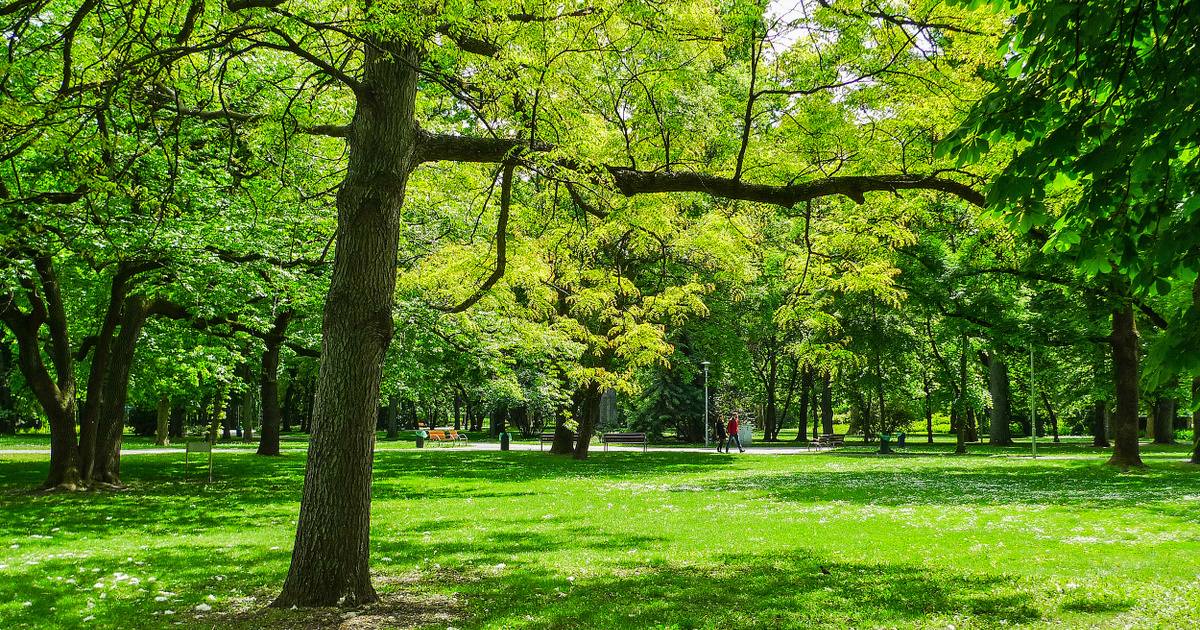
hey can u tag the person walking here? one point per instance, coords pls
(732, 429)
(719, 430)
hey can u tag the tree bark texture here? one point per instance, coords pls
(999, 385)
(1125, 355)
(8, 412)
(246, 414)
(1196, 413)
(268, 384)
(162, 428)
(806, 383)
(111, 425)
(1100, 424)
(56, 394)
(827, 403)
(1164, 419)
(563, 436)
(589, 416)
(392, 410)
(330, 557)
(217, 417)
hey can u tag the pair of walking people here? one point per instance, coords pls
(728, 433)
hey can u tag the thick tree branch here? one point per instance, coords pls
(501, 242)
(631, 182)
(241, 5)
(439, 147)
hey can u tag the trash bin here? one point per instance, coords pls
(504, 441)
(885, 443)
(420, 439)
(900, 439)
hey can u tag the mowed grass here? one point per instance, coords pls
(488, 539)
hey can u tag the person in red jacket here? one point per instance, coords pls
(732, 430)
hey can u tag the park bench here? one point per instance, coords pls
(447, 437)
(624, 438)
(548, 438)
(831, 440)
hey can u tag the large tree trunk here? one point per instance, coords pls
(1164, 418)
(1125, 353)
(178, 416)
(56, 394)
(107, 463)
(563, 436)
(162, 428)
(589, 416)
(999, 385)
(330, 556)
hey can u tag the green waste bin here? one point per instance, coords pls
(505, 438)
(885, 443)
(420, 439)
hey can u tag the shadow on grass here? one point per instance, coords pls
(744, 591)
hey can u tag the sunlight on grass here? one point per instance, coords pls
(628, 540)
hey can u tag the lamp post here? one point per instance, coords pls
(706, 422)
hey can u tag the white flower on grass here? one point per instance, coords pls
(89, 618)
(203, 607)
(27, 604)
(211, 598)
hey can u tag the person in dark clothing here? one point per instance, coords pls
(732, 430)
(720, 433)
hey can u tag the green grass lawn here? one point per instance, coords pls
(474, 539)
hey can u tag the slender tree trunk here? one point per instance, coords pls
(998, 382)
(1125, 351)
(457, 412)
(217, 417)
(1100, 424)
(928, 411)
(1053, 416)
(806, 384)
(1195, 399)
(392, 410)
(247, 410)
(268, 383)
(827, 403)
(162, 429)
(8, 411)
(961, 403)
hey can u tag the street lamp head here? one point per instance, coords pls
(704, 363)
